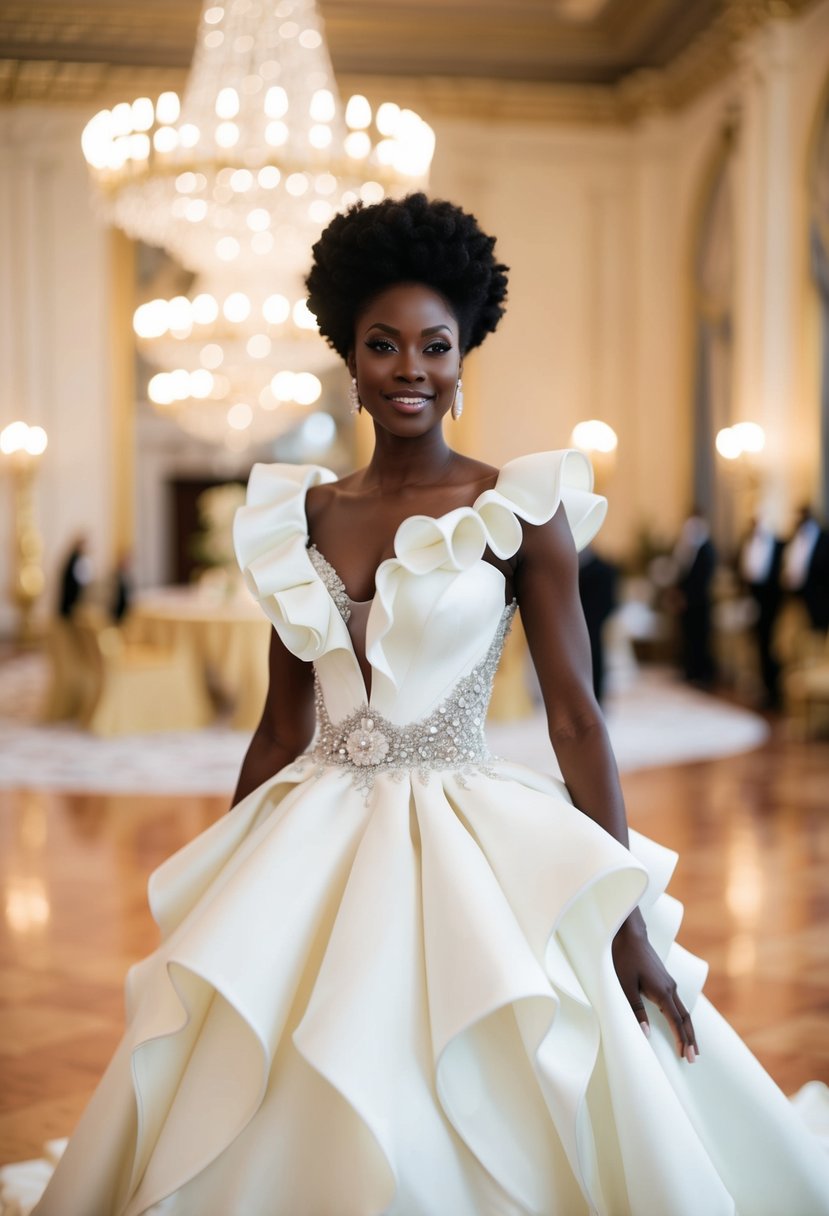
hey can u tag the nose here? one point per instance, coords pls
(409, 367)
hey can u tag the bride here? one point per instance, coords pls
(403, 976)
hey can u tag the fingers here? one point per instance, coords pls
(638, 1007)
(680, 1020)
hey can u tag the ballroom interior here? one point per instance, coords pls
(656, 173)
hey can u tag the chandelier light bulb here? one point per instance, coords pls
(167, 108)
(36, 441)
(211, 356)
(310, 39)
(236, 307)
(227, 248)
(306, 388)
(205, 309)
(322, 107)
(240, 416)
(241, 180)
(160, 389)
(201, 383)
(269, 177)
(227, 103)
(358, 113)
(319, 136)
(227, 134)
(276, 309)
(282, 386)
(303, 317)
(188, 135)
(388, 116)
(259, 346)
(276, 102)
(276, 134)
(296, 184)
(143, 114)
(357, 145)
(258, 219)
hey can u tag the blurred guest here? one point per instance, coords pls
(597, 590)
(695, 560)
(121, 588)
(75, 577)
(759, 565)
(806, 567)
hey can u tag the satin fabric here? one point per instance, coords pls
(403, 1001)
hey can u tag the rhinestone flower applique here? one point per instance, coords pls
(366, 744)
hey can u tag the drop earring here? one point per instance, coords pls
(354, 397)
(457, 404)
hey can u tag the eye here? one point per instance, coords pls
(381, 344)
(438, 348)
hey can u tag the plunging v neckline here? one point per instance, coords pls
(336, 588)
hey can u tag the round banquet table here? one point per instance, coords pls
(228, 636)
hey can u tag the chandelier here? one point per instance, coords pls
(236, 180)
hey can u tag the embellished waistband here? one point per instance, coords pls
(451, 737)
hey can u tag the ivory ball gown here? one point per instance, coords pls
(385, 983)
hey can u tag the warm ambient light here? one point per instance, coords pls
(20, 439)
(594, 436)
(732, 442)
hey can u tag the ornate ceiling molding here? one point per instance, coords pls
(52, 60)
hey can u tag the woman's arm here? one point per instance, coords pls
(546, 587)
(287, 723)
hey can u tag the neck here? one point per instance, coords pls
(399, 463)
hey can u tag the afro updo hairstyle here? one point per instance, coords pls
(365, 250)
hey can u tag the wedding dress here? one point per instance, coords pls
(385, 982)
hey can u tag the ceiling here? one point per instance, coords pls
(91, 50)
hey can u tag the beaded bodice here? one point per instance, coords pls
(430, 640)
(451, 736)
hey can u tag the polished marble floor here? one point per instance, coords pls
(752, 831)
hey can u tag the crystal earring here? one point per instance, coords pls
(457, 404)
(354, 397)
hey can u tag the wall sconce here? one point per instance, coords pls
(599, 441)
(21, 447)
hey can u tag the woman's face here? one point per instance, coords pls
(406, 358)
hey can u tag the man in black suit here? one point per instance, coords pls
(806, 568)
(759, 566)
(75, 575)
(696, 561)
(597, 590)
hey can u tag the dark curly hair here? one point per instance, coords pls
(415, 239)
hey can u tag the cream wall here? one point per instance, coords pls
(597, 226)
(54, 337)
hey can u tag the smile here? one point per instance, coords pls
(407, 402)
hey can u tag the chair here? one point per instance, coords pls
(806, 685)
(140, 689)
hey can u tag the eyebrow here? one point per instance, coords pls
(424, 333)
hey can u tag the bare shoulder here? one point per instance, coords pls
(476, 474)
(321, 498)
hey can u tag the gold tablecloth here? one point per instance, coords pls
(227, 637)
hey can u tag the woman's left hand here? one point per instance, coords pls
(642, 973)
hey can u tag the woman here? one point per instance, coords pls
(403, 976)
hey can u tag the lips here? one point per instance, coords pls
(409, 403)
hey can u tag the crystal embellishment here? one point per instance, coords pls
(334, 585)
(366, 744)
(451, 737)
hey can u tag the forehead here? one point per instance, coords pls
(410, 306)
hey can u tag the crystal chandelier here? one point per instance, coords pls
(236, 180)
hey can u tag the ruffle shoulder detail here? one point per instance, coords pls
(529, 488)
(270, 536)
